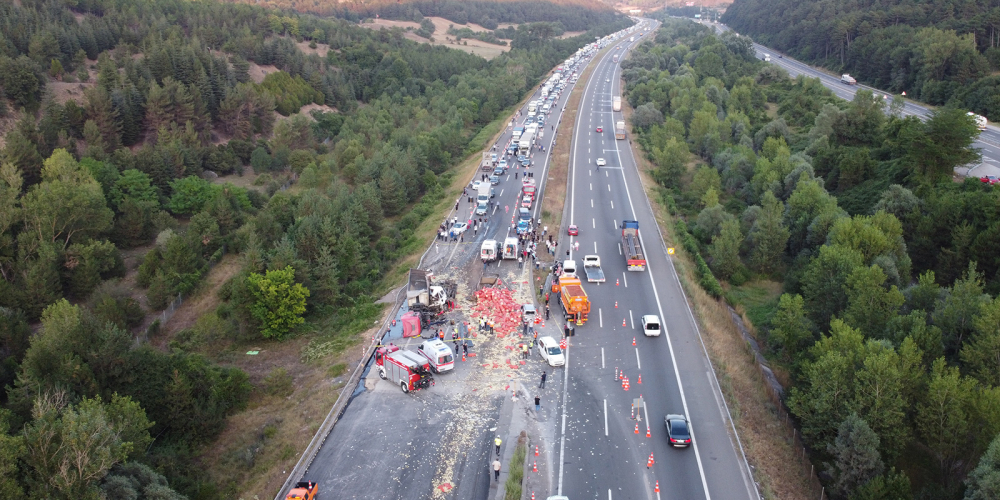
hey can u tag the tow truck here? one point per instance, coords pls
(592, 266)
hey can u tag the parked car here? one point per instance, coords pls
(573, 230)
(494, 179)
(550, 351)
(677, 430)
(601, 162)
(458, 229)
(990, 179)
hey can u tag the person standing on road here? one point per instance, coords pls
(546, 311)
(497, 442)
(520, 262)
(496, 469)
(538, 402)
(540, 386)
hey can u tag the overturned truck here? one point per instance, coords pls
(428, 298)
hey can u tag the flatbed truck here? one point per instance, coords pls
(635, 259)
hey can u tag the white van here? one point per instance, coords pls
(488, 251)
(569, 268)
(528, 313)
(550, 351)
(438, 354)
(651, 325)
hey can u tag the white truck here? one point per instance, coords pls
(532, 106)
(767, 57)
(616, 103)
(510, 247)
(848, 79)
(979, 119)
(592, 266)
(488, 251)
(620, 130)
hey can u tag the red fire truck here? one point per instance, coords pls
(404, 368)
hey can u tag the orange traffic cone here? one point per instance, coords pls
(534, 467)
(616, 282)
(637, 427)
(463, 357)
(633, 341)
(623, 321)
(616, 304)
(647, 432)
(650, 462)
(640, 379)
(656, 489)
(536, 451)
(533, 493)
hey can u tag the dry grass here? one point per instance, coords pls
(441, 37)
(768, 449)
(204, 301)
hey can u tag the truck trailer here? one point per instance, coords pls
(616, 103)
(620, 130)
(635, 259)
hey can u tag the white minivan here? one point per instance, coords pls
(651, 325)
(438, 354)
(550, 351)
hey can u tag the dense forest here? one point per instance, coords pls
(573, 15)
(888, 327)
(165, 110)
(938, 52)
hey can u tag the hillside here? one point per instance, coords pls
(938, 51)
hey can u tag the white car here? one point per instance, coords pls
(601, 162)
(550, 351)
(458, 228)
(475, 186)
(651, 325)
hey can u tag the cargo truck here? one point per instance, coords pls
(616, 103)
(615, 58)
(487, 163)
(620, 130)
(527, 139)
(635, 259)
(517, 132)
(575, 304)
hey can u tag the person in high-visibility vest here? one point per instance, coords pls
(497, 442)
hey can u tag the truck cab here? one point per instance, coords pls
(406, 369)
(569, 268)
(303, 490)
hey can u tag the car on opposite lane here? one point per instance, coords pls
(677, 430)
(601, 162)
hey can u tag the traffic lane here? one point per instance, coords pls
(595, 464)
(706, 411)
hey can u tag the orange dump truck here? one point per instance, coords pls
(576, 305)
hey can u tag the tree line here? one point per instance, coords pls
(171, 101)
(887, 324)
(940, 52)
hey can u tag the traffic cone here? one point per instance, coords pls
(536, 451)
(463, 357)
(640, 379)
(647, 432)
(637, 427)
(616, 281)
(616, 373)
(650, 462)
(616, 304)
(633, 341)
(656, 489)
(623, 321)
(533, 493)
(626, 384)
(534, 466)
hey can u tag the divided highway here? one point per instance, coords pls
(988, 141)
(601, 455)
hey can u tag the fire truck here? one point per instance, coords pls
(404, 368)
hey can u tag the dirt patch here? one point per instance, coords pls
(321, 48)
(772, 454)
(62, 92)
(203, 302)
(305, 110)
(571, 34)
(441, 37)
(258, 72)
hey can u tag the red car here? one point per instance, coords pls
(599, 130)
(990, 179)
(573, 231)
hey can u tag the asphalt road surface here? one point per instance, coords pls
(601, 454)
(988, 141)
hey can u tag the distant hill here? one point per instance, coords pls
(575, 15)
(938, 51)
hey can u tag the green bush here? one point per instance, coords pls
(277, 382)
(515, 473)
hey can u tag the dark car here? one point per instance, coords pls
(521, 158)
(525, 162)
(677, 430)
(498, 171)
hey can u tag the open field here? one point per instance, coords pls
(470, 45)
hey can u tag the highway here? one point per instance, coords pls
(601, 455)
(988, 141)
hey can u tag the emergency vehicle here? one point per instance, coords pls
(404, 368)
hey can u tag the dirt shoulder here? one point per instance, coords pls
(770, 452)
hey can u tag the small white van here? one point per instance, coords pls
(438, 354)
(651, 325)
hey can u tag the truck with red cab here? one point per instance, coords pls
(406, 369)
(303, 490)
